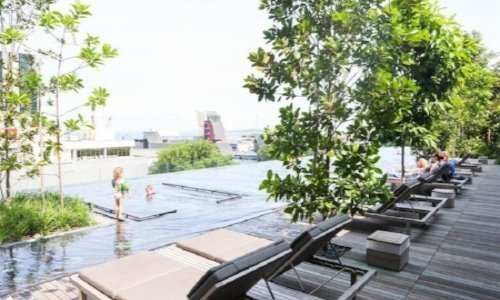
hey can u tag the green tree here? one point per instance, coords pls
(315, 58)
(19, 86)
(494, 120)
(27, 86)
(474, 120)
(264, 153)
(188, 156)
(419, 58)
(465, 127)
(90, 53)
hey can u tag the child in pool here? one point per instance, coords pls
(121, 188)
(149, 192)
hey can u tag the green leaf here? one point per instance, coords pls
(97, 98)
(91, 40)
(80, 10)
(72, 125)
(90, 56)
(70, 82)
(108, 51)
(11, 35)
(51, 19)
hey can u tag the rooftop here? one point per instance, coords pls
(456, 257)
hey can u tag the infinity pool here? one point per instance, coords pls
(30, 263)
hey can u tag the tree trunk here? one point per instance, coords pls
(402, 162)
(42, 190)
(58, 119)
(7, 172)
(40, 137)
(59, 169)
(7, 184)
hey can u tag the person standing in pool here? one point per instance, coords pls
(121, 188)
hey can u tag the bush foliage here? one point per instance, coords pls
(22, 217)
(189, 156)
(264, 153)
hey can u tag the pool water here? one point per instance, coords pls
(30, 263)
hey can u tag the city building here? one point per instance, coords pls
(151, 140)
(213, 130)
(98, 142)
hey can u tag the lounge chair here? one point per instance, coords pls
(464, 164)
(306, 246)
(304, 249)
(407, 207)
(149, 275)
(441, 179)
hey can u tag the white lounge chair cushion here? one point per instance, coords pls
(222, 245)
(173, 285)
(126, 277)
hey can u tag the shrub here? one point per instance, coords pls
(264, 153)
(474, 145)
(188, 156)
(22, 217)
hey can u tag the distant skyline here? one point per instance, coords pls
(178, 57)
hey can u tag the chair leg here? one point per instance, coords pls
(354, 278)
(269, 289)
(298, 278)
(328, 280)
(332, 247)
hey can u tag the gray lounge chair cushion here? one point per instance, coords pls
(237, 287)
(443, 172)
(310, 241)
(426, 177)
(222, 245)
(117, 276)
(402, 192)
(400, 189)
(330, 225)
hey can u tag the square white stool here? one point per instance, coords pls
(388, 250)
(445, 193)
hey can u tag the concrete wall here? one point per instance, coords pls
(86, 171)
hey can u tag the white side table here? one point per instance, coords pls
(445, 193)
(388, 250)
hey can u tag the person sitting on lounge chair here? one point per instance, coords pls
(453, 163)
(437, 161)
(412, 173)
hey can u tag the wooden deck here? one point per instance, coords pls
(456, 257)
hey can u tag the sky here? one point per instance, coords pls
(178, 57)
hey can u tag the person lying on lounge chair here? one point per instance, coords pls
(412, 173)
(422, 167)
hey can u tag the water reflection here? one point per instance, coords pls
(9, 269)
(123, 245)
(29, 263)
